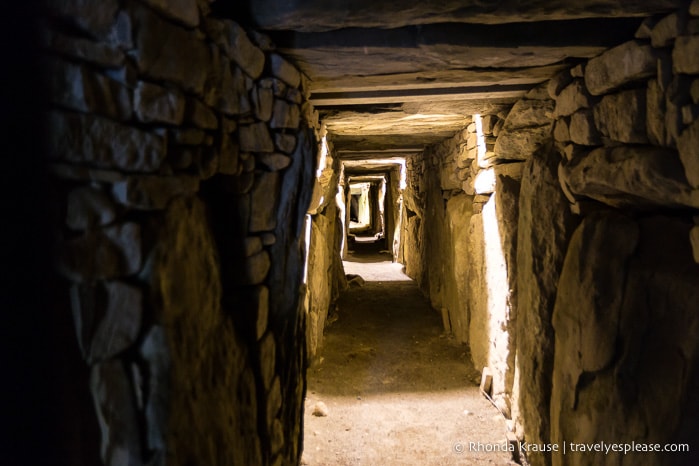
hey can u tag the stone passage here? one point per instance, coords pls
(391, 387)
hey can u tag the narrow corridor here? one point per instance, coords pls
(398, 391)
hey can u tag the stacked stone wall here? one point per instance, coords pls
(181, 150)
(625, 365)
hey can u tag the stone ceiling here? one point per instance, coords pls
(396, 75)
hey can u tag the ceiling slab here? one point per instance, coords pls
(326, 15)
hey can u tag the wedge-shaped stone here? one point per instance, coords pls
(631, 176)
(625, 63)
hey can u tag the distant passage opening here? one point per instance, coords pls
(390, 386)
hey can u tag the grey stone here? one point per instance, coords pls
(622, 116)
(294, 95)
(684, 55)
(255, 138)
(114, 402)
(529, 112)
(199, 115)
(285, 142)
(521, 143)
(620, 65)
(156, 354)
(655, 114)
(284, 70)
(183, 11)
(265, 195)
(99, 53)
(631, 176)
(88, 207)
(285, 115)
(156, 104)
(79, 88)
(573, 98)
(234, 41)
(103, 143)
(583, 130)
(275, 161)
(262, 102)
(153, 192)
(112, 252)
(688, 147)
(78, 173)
(96, 19)
(169, 52)
(107, 318)
(667, 29)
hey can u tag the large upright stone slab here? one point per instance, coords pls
(625, 63)
(544, 227)
(684, 55)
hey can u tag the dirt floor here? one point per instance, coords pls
(395, 390)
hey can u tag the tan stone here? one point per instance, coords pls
(625, 63)
(622, 116)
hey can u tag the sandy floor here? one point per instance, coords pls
(397, 390)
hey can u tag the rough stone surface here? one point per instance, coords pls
(184, 11)
(255, 138)
(529, 112)
(655, 114)
(256, 268)
(151, 192)
(628, 62)
(199, 115)
(235, 43)
(103, 143)
(284, 70)
(92, 18)
(667, 29)
(684, 55)
(88, 207)
(264, 196)
(630, 303)
(688, 147)
(116, 412)
(112, 252)
(186, 64)
(99, 53)
(519, 144)
(545, 224)
(582, 129)
(274, 162)
(78, 88)
(285, 115)
(107, 318)
(631, 176)
(206, 354)
(572, 98)
(155, 104)
(156, 354)
(622, 116)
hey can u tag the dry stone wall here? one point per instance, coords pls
(625, 365)
(182, 157)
